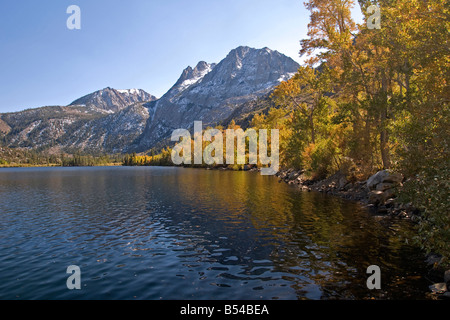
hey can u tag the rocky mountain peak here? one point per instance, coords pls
(212, 92)
(190, 77)
(112, 120)
(113, 100)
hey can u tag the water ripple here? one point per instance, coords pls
(169, 233)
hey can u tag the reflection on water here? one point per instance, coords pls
(172, 233)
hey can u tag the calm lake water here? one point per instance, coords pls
(173, 233)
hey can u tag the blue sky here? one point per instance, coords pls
(129, 44)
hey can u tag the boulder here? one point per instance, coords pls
(438, 287)
(389, 193)
(282, 175)
(293, 175)
(447, 276)
(394, 177)
(377, 178)
(376, 197)
(433, 259)
(342, 182)
(379, 198)
(384, 186)
(389, 203)
(384, 176)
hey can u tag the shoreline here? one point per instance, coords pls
(56, 166)
(380, 198)
(378, 194)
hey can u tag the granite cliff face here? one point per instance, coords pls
(111, 120)
(211, 93)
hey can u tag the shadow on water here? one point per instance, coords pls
(172, 233)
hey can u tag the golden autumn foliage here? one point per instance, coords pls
(375, 98)
(370, 99)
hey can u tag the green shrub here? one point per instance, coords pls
(322, 159)
(428, 191)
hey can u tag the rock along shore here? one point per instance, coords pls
(379, 194)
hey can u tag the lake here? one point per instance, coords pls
(174, 233)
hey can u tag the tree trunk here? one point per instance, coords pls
(384, 141)
(384, 134)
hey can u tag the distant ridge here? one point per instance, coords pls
(114, 100)
(119, 121)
